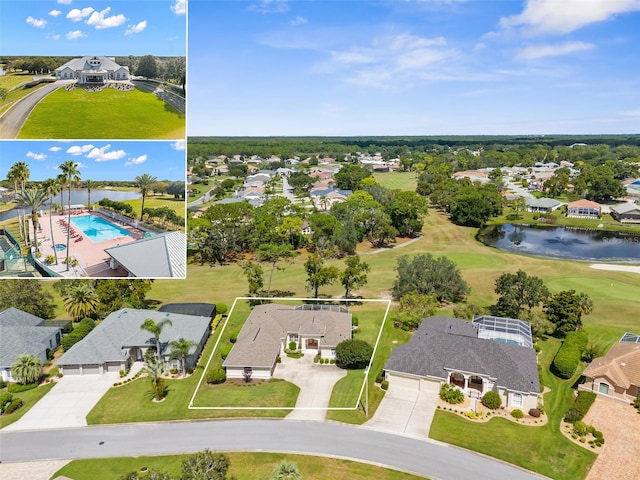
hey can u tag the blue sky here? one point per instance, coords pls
(99, 160)
(413, 67)
(93, 27)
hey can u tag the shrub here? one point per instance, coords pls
(353, 354)
(636, 403)
(15, 404)
(122, 374)
(450, 394)
(384, 385)
(5, 400)
(332, 361)
(354, 321)
(216, 376)
(580, 406)
(580, 428)
(517, 413)
(173, 371)
(221, 308)
(17, 387)
(293, 346)
(380, 376)
(491, 400)
(534, 412)
(233, 338)
(49, 259)
(568, 357)
(316, 359)
(189, 371)
(224, 352)
(3, 384)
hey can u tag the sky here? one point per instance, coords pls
(413, 67)
(93, 27)
(98, 160)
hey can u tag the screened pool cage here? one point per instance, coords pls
(505, 330)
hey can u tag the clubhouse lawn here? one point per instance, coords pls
(109, 113)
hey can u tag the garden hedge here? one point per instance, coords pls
(491, 400)
(580, 406)
(353, 354)
(567, 359)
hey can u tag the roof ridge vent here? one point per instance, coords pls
(257, 333)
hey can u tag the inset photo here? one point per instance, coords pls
(108, 71)
(92, 209)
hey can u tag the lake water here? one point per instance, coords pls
(80, 196)
(561, 242)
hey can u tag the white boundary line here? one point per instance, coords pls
(367, 369)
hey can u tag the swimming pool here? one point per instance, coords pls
(97, 228)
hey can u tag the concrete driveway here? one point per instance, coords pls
(67, 404)
(316, 383)
(405, 410)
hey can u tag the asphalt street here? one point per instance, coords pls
(12, 120)
(426, 458)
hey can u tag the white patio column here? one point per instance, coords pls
(466, 381)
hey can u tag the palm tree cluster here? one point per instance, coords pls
(26, 369)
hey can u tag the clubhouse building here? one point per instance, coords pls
(92, 70)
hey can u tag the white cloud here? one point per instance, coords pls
(298, 21)
(139, 27)
(81, 165)
(180, 145)
(270, 6)
(102, 155)
(101, 21)
(565, 16)
(75, 14)
(179, 7)
(55, 37)
(36, 156)
(64, 2)
(75, 35)
(55, 13)
(55, 149)
(136, 160)
(79, 149)
(533, 52)
(36, 22)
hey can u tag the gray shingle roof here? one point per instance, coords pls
(107, 342)
(15, 317)
(542, 202)
(21, 333)
(626, 208)
(82, 63)
(443, 343)
(159, 256)
(261, 335)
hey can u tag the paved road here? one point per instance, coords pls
(171, 98)
(429, 459)
(12, 120)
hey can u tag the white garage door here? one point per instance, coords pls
(91, 369)
(404, 382)
(71, 370)
(431, 386)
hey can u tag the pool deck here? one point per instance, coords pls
(93, 261)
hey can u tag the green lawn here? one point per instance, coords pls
(30, 398)
(244, 466)
(397, 180)
(11, 80)
(107, 114)
(540, 449)
(155, 201)
(272, 393)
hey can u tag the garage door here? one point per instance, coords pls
(71, 370)
(91, 369)
(431, 386)
(114, 367)
(404, 382)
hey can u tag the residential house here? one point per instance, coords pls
(583, 209)
(493, 354)
(617, 374)
(270, 329)
(626, 213)
(92, 70)
(542, 205)
(22, 333)
(118, 341)
(473, 175)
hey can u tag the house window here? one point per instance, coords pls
(293, 337)
(332, 353)
(516, 400)
(603, 388)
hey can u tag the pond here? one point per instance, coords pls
(80, 196)
(563, 242)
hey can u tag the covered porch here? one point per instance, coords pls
(472, 385)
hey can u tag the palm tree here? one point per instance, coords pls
(155, 329)
(26, 369)
(33, 198)
(144, 182)
(286, 471)
(19, 173)
(71, 175)
(51, 188)
(89, 185)
(180, 348)
(158, 388)
(81, 301)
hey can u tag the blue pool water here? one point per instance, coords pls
(60, 247)
(637, 184)
(98, 229)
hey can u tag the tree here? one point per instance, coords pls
(70, 175)
(350, 176)
(26, 369)
(176, 189)
(354, 275)
(254, 273)
(155, 329)
(353, 354)
(148, 475)
(317, 274)
(33, 199)
(27, 295)
(3, 93)
(81, 301)
(272, 253)
(154, 370)
(206, 465)
(518, 291)
(414, 307)
(426, 274)
(89, 185)
(159, 187)
(180, 349)
(286, 471)
(145, 183)
(565, 310)
(407, 210)
(147, 67)
(19, 174)
(51, 187)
